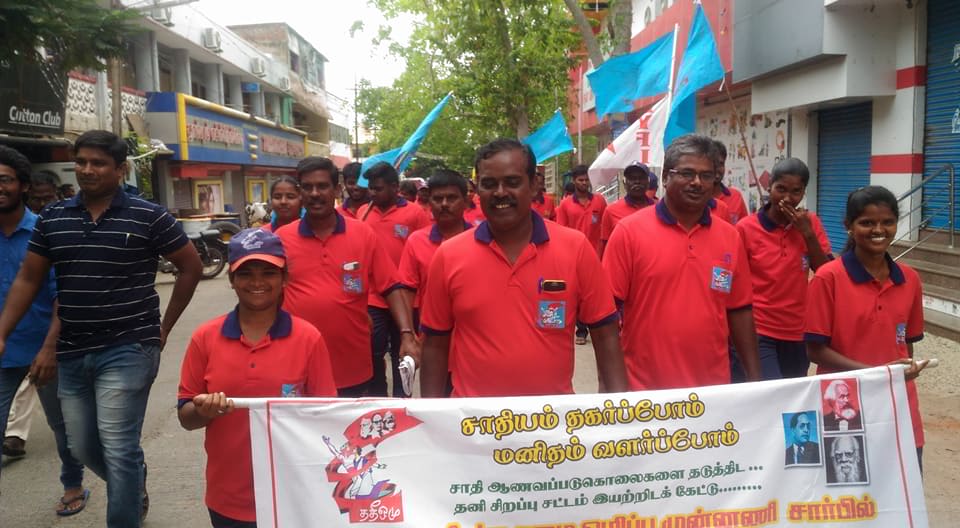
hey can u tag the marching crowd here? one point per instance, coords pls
(487, 284)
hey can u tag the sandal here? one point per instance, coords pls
(66, 511)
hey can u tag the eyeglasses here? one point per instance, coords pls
(8, 180)
(689, 175)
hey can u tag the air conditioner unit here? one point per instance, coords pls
(211, 40)
(258, 67)
(284, 83)
(164, 15)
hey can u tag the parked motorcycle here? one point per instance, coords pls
(212, 251)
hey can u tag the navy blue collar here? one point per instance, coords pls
(282, 325)
(859, 275)
(436, 237)
(341, 227)
(631, 203)
(539, 235)
(577, 200)
(723, 188)
(765, 219)
(664, 214)
(119, 200)
(401, 201)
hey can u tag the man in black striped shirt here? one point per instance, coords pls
(103, 245)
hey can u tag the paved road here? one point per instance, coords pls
(30, 487)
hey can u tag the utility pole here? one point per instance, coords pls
(116, 80)
(356, 121)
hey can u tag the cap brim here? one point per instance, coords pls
(270, 259)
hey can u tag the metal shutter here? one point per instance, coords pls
(843, 162)
(941, 138)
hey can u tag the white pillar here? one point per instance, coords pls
(213, 79)
(235, 90)
(182, 81)
(147, 66)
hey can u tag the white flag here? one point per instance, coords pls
(642, 141)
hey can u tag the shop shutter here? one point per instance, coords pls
(941, 139)
(843, 162)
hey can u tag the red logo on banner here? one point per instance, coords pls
(355, 467)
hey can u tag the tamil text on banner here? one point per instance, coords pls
(761, 454)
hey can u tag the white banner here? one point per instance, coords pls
(642, 141)
(759, 454)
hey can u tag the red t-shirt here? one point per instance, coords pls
(545, 206)
(512, 334)
(392, 227)
(417, 254)
(676, 287)
(583, 218)
(617, 211)
(736, 206)
(473, 214)
(719, 210)
(780, 270)
(329, 284)
(291, 360)
(866, 320)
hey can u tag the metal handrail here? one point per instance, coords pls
(950, 207)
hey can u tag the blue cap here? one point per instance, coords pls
(255, 244)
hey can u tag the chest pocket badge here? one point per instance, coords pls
(401, 231)
(351, 278)
(902, 334)
(805, 263)
(291, 390)
(721, 279)
(552, 314)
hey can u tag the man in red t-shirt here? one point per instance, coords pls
(543, 202)
(582, 211)
(357, 196)
(683, 280)
(636, 179)
(730, 196)
(393, 218)
(504, 297)
(335, 264)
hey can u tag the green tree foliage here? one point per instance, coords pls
(506, 61)
(77, 33)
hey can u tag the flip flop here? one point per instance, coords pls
(67, 510)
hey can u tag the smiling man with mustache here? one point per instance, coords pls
(506, 296)
(676, 261)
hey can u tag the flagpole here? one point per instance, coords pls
(673, 69)
(580, 120)
(743, 138)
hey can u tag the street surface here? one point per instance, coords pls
(29, 488)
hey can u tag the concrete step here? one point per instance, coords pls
(928, 252)
(933, 274)
(941, 324)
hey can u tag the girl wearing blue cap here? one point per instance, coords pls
(256, 351)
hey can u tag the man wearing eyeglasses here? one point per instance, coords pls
(676, 261)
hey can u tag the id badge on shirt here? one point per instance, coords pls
(401, 231)
(552, 313)
(291, 390)
(902, 334)
(721, 279)
(351, 278)
(594, 218)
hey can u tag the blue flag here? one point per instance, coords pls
(551, 139)
(620, 81)
(401, 157)
(700, 66)
(389, 156)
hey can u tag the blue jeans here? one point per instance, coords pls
(104, 397)
(774, 355)
(10, 379)
(71, 470)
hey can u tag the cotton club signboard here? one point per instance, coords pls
(29, 104)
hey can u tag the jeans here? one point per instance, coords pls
(10, 379)
(582, 330)
(778, 359)
(386, 336)
(71, 470)
(104, 397)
